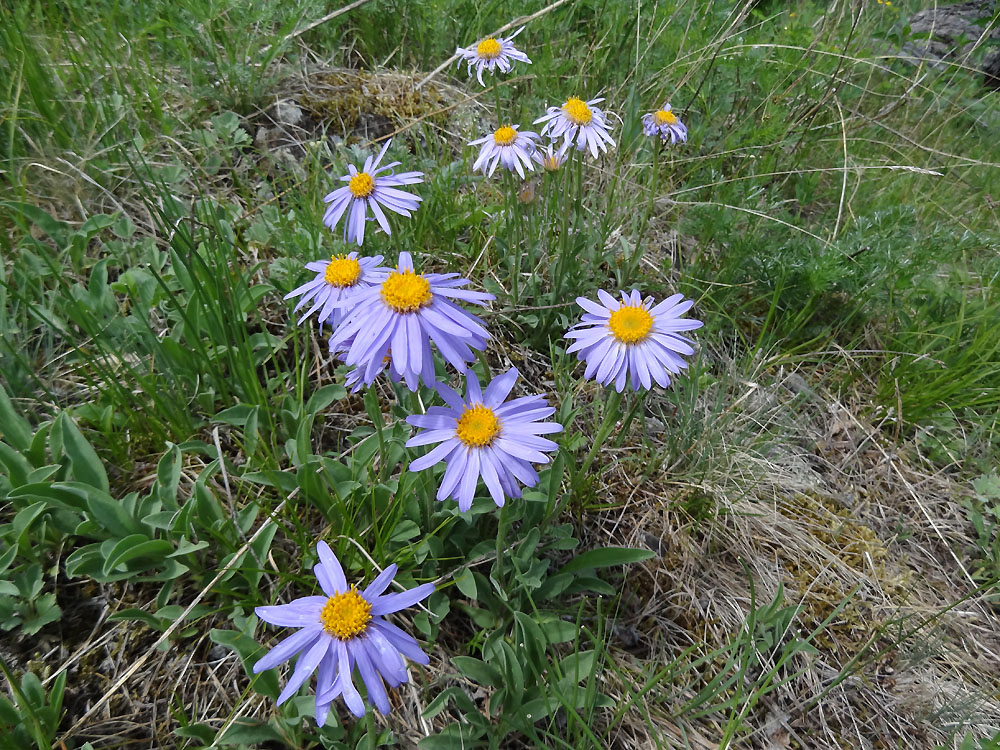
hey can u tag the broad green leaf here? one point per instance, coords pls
(477, 670)
(135, 547)
(87, 467)
(605, 558)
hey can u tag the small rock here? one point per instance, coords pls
(991, 70)
(287, 112)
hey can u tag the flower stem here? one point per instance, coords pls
(611, 415)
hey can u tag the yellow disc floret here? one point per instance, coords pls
(406, 291)
(361, 185)
(504, 136)
(665, 117)
(488, 49)
(342, 271)
(577, 111)
(346, 615)
(477, 426)
(629, 323)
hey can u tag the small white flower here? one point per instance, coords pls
(365, 189)
(666, 124)
(550, 158)
(580, 121)
(506, 146)
(492, 53)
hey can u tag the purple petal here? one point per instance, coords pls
(333, 568)
(305, 666)
(300, 613)
(288, 648)
(381, 582)
(390, 603)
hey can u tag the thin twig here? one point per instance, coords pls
(314, 24)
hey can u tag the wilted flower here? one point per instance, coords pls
(481, 436)
(578, 121)
(401, 316)
(339, 630)
(492, 53)
(367, 188)
(665, 123)
(632, 338)
(505, 146)
(550, 158)
(335, 279)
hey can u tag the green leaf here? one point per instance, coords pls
(606, 557)
(325, 396)
(135, 547)
(17, 467)
(477, 670)
(466, 583)
(249, 652)
(578, 665)
(109, 514)
(247, 731)
(168, 476)
(140, 615)
(404, 531)
(87, 467)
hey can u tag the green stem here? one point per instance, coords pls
(639, 401)
(648, 213)
(611, 415)
(503, 526)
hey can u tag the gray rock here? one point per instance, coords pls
(287, 112)
(991, 70)
(952, 30)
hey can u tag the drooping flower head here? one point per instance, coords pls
(550, 158)
(481, 436)
(366, 189)
(505, 146)
(342, 629)
(666, 124)
(492, 53)
(335, 279)
(578, 122)
(632, 338)
(400, 317)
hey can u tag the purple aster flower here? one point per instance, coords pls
(665, 123)
(481, 436)
(632, 338)
(340, 630)
(401, 316)
(492, 53)
(505, 146)
(550, 158)
(578, 120)
(335, 279)
(368, 189)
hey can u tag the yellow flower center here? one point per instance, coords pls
(577, 111)
(342, 271)
(665, 117)
(488, 49)
(406, 292)
(551, 163)
(346, 615)
(477, 426)
(362, 185)
(629, 324)
(504, 136)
